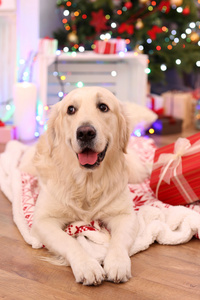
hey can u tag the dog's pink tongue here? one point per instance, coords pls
(88, 157)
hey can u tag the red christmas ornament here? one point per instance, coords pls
(164, 6)
(186, 11)
(98, 21)
(153, 32)
(128, 5)
(126, 28)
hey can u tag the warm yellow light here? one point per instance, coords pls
(151, 131)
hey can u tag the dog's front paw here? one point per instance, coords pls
(117, 267)
(88, 271)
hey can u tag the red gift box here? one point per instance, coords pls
(156, 104)
(111, 46)
(7, 133)
(176, 171)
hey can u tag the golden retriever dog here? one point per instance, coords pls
(81, 163)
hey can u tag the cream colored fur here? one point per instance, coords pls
(70, 192)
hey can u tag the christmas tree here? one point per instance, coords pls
(168, 31)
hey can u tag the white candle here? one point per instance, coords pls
(25, 96)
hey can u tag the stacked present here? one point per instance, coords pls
(176, 170)
(166, 123)
(177, 112)
(180, 105)
(110, 46)
(48, 46)
(155, 103)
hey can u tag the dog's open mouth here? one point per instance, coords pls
(90, 159)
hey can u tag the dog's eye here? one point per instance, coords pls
(103, 107)
(71, 110)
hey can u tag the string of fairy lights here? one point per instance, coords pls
(62, 80)
(190, 35)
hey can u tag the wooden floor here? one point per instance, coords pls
(159, 273)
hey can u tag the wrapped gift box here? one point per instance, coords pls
(7, 133)
(167, 125)
(48, 46)
(176, 171)
(179, 105)
(111, 46)
(155, 103)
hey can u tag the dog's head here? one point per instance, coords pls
(91, 121)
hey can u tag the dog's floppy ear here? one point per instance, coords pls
(54, 127)
(124, 128)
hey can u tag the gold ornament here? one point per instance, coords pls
(176, 2)
(138, 49)
(194, 37)
(144, 1)
(72, 37)
(139, 24)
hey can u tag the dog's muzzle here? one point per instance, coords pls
(88, 158)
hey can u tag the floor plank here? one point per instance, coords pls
(161, 272)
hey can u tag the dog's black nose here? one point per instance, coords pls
(85, 133)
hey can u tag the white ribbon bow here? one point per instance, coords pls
(172, 165)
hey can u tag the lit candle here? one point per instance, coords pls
(25, 96)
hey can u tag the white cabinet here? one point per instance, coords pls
(124, 74)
